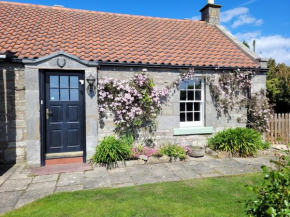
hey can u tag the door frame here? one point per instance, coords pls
(42, 107)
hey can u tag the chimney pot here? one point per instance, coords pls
(210, 1)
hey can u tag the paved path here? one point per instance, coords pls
(17, 188)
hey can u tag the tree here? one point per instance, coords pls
(246, 44)
(278, 86)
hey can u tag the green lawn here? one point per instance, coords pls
(199, 197)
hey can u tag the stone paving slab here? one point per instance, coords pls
(70, 179)
(62, 168)
(209, 175)
(97, 172)
(6, 209)
(189, 174)
(202, 168)
(17, 174)
(68, 188)
(9, 199)
(176, 166)
(227, 170)
(144, 179)
(45, 178)
(18, 187)
(97, 182)
(15, 185)
(39, 186)
(162, 173)
(120, 178)
(7, 174)
(123, 185)
(4, 168)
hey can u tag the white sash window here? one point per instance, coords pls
(192, 102)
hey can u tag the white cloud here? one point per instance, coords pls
(247, 19)
(196, 18)
(248, 35)
(241, 16)
(259, 22)
(273, 46)
(249, 2)
(228, 15)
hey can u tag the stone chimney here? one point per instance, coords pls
(211, 13)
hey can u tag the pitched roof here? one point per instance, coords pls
(33, 31)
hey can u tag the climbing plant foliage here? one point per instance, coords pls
(137, 101)
(231, 92)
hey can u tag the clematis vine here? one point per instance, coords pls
(136, 102)
(230, 93)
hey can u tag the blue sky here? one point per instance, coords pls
(266, 21)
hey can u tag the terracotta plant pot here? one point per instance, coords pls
(196, 151)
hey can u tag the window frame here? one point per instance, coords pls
(201, 101)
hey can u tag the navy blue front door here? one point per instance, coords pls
(64, 112)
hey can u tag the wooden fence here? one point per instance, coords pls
(279, 129)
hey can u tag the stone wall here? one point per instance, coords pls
(259, 82)
(33, 105)
(169, 117)
(12, 113)
(19, 109)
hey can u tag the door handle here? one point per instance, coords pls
(48, 113)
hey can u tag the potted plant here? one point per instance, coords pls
(196, 151)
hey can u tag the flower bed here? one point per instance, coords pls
(113, 152)
(150, 160)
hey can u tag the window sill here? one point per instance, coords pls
(192, 131)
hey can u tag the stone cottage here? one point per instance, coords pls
(47, 114)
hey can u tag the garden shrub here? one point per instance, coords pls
(128, 139)
(174, 151)
(243, 142)
(110, 151)
(273, 197)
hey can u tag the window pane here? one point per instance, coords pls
(196, 116)
(190, 87)
(64, 81)
(182, 95)
(54, 94)
(190, 95)
(197, 95)
(64, 94)
(190, 84)
(190, 116)
(182, 106)
(196, 106)
(182, 117)
(183, 85)
(189, 107)
(74, 81)
(74, 94)
(53, 81)
(197, 84)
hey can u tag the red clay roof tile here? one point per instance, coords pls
(34, 31)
